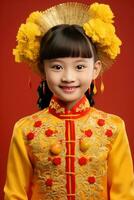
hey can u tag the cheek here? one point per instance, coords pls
(51, 84)
(50, 77)
(88, 83)
(87, 79)
(52, 80)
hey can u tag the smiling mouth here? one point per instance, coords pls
(69, 89)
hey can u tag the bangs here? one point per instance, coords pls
(65, 41)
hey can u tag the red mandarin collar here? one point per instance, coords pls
(57, 108)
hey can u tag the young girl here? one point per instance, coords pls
(69, 150)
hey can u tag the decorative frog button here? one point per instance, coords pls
(56, 148)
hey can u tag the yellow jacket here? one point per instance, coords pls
(81, 154)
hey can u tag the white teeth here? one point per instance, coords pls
(68, 89)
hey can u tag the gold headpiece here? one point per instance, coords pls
(96, 20)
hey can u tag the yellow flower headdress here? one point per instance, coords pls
(96, 20)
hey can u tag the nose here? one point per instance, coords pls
(68, 76)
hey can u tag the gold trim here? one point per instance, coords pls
(70, 156)
(70, 173)
(71, 115)
(70, 194)
(69, 141)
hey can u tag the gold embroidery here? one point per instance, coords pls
(54, 105)
(99, 147)
(39, 151)
(95, 168)
(83, 106)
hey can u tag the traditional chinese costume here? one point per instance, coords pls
(77, 154)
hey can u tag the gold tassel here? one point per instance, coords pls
(102, 86)
(95, 89)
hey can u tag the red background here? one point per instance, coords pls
(18, 100)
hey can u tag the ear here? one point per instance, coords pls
(97, 69)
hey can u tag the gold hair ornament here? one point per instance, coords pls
(96, 20)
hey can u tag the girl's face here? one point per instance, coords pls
(69, 78)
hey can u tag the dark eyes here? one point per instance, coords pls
(80, 67)
(59, 67)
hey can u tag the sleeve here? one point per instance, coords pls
(120, 168)
(19, 168)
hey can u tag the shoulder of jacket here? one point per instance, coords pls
(110, 118)
(30, 119)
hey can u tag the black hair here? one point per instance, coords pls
(64, 41)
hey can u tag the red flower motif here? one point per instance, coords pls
(88, 133)
(57, 161)
(49, 132)
(82, 161)
(37, 123)
(109, 133)
(91, 179)
(30, 135)
(49, 182)
(101, 122)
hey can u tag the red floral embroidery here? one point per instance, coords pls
(57, 161)
(101, 122)
(91, 179)
(49, 132)
(88, 133)
(108, 133)
(30, 136)
(37, 123)
(82, 161)
(49, 182)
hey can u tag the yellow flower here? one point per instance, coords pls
(114, 48)
(34, 17)
(101, 11)
(28, 38)
(101, 30)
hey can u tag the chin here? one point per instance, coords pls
(70, 99)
